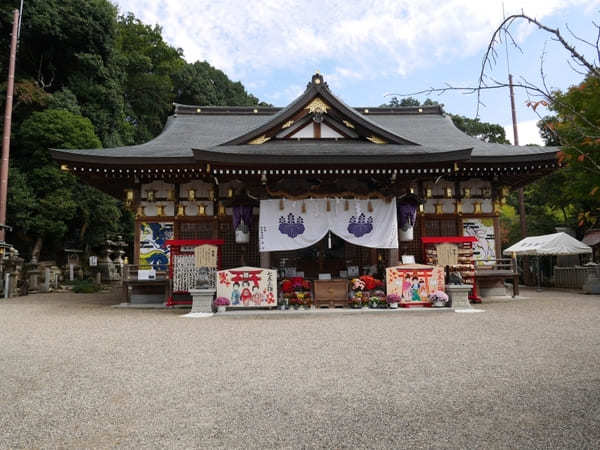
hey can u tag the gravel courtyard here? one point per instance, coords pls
(77, 373)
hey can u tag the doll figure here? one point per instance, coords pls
(422, 289)
(256, 296)
(415, 290)
(235, 294)
(246, 296)
(406, 294)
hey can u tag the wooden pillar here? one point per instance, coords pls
(393, 256)
(265, 260)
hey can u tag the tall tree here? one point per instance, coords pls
(149, 64)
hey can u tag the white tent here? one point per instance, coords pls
(549, 244)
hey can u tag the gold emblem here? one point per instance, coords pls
(376, 140)
(348, 124)
(287, 124)
(317, 106)
(259, 140)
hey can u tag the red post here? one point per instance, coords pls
(7, 123)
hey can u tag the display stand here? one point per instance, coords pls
(183, 275)
(465, 261)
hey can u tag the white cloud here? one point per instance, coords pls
(374, 38)
(528, 133)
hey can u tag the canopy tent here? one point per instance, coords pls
(549, 244)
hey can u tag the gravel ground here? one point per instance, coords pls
(77, 373)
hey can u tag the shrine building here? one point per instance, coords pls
(318, 185)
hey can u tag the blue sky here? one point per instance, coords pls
(367, 49)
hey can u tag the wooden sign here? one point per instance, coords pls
(414, 282)
(447, 254)
(206, 256)
(248, 286)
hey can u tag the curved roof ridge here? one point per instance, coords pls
(317, 87)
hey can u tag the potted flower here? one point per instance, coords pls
(222, 303)
(438, 299)
(374, 301)
(393, 300)
(356, 301)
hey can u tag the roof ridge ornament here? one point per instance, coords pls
(317, 81)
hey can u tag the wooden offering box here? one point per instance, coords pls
(331, 293)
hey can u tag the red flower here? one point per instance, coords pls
(287, 286)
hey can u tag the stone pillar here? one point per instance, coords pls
(202, 300)
(459, 294)
(46, 285)
(393, 257)
(265, 260)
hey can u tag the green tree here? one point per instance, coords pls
(46, 202)
(486, 131)
(201, 84)
(149, 64)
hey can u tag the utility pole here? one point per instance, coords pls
(522, 218)
(7, 124)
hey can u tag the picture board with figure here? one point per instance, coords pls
(414, 282)
(249, 287)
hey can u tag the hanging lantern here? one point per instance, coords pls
(192, 195)
(128, 197)
(369, 206)
(449, 192)
(180, 210)
(201, 210)
(428, 193)
(242, 218)
(407, 217)
(421, 208)
(229, 192)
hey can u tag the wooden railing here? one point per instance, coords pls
(573, 277)
(500, 267)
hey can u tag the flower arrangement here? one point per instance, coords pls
(296, 291)
(222, 301)
(438, 298)
(370, 282)
(357, 285)
(393, 298)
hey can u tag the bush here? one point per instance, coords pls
(85, 287)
